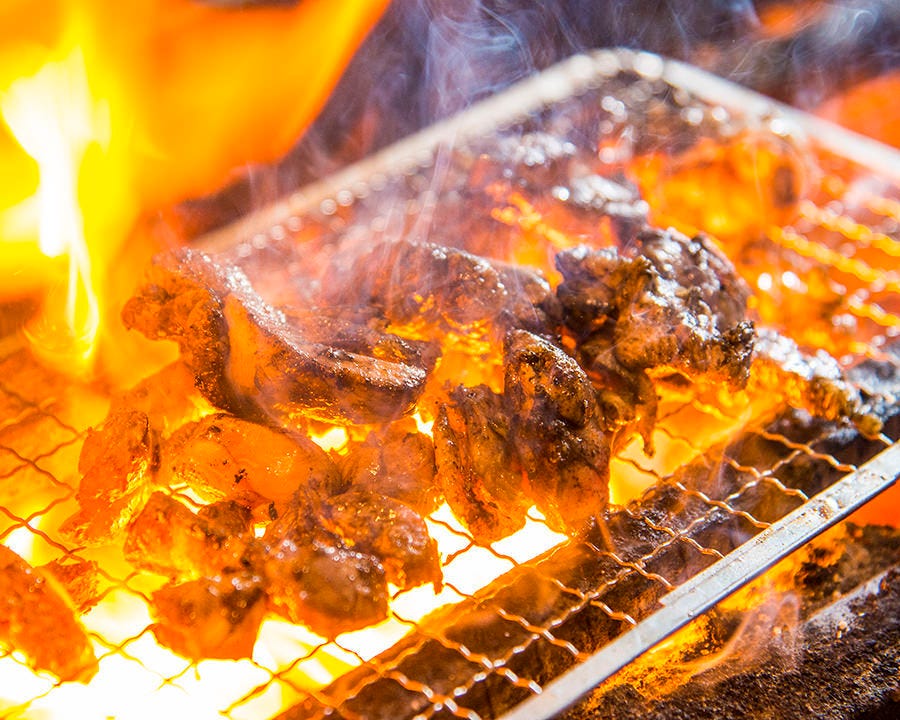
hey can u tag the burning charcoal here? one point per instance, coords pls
(116, 465)
(669, 304)
(313, 578)
(222, 456)
(37, 620)
(167, 538)
(397, 462)
(814, 383)
(248, 359)
(557, 432)
(388, 530)
(78, 577)
(477, 467)
(210, 618)
(435, 288)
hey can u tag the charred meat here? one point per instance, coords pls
(314, 578)
(388, 530)
(396, 461)
(437, 289)
(814, 383)
(249, 360)
(225, 457)
(478, 470)
(668, 304)
(117, 462)
(215, 618)
(167, 538)
(558, 432)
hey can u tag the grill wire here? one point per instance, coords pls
(728, 467)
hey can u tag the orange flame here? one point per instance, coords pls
(115, 110)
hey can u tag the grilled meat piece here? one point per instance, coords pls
(216, 618)
(249, 360)
(478, 470)
(117, 462)
(390, 531)
(668, 304)
(557, 432)
(36, 618)
(361, 331)
(168, 398)
(814, 383)
(167, 538)
(222, 456)
(78, 577)
(436, 289)
(397, 462)
(313, 578)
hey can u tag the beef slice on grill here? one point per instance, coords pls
(248, 359)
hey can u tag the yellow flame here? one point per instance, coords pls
(55, 120)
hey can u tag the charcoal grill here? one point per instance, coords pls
(739, 482)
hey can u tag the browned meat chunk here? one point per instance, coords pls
(168, 398)
(669, 304)
(361, 331)
(435, 288)
(313, 578)
(116, 464)
(79, 578)
(814, 383)
(388, 530)
(215, 618)
(478, 470)
(36, 619)
(222, 456)
(557, 432)
(398, 462)
(167, 538)
(671, 301)
(248, 359)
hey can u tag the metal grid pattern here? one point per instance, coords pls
(725, 468)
